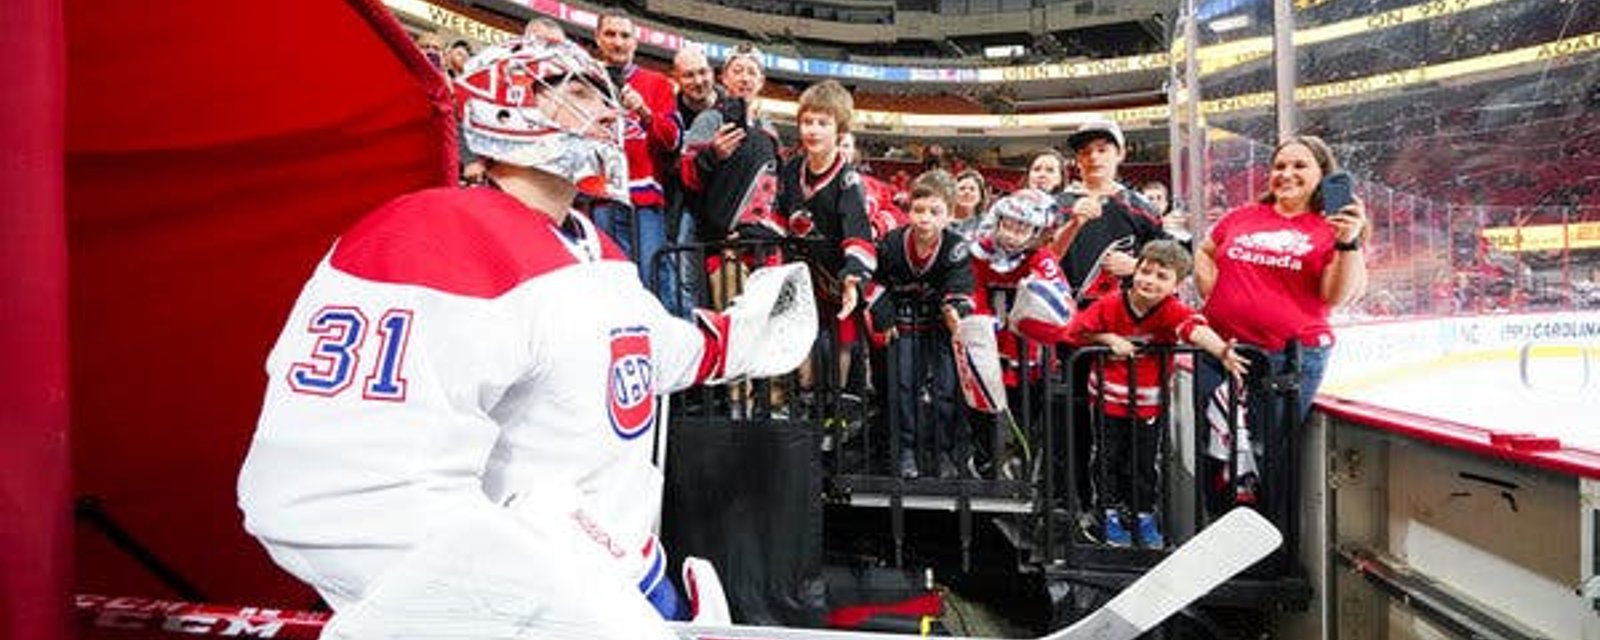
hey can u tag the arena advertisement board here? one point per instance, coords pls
(1545, 237)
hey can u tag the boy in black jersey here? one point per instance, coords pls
(820, 194)
(821, 197)
(921, 290)
(1107, 223)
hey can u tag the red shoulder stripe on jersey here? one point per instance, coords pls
(861, 251)
(1187, 328)
(475, 242)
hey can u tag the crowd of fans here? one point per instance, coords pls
(904, 249)
(898, 263)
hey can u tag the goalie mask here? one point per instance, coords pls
(1020, 223)
(505, 118)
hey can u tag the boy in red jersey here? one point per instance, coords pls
(1128, 394)
(1011, 269)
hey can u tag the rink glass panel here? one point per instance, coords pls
(1472, 126)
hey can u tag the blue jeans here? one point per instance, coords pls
(690, 264)
(926, 356)
(659, 276)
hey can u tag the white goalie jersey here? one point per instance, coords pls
(458, 360)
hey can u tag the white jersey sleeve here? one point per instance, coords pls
(684, 353)
(458, 357)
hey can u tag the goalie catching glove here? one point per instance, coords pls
(766, 331)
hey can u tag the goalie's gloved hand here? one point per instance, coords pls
(767, 330)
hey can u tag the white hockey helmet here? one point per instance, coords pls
(502, 119)
(1031, 207)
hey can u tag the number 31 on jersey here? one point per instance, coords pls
(335, 359)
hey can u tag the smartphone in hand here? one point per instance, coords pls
(735, 111)
(1336, 192)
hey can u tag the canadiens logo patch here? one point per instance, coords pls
(633, 129)
(630, 387)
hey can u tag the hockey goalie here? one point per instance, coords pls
(456, 435)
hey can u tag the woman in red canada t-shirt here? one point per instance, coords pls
(1270, 272)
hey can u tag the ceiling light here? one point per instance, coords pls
(1230, 23)
(1004, 51)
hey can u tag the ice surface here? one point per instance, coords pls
(1536, 373)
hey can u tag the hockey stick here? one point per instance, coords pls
(1125, 243)
(1214, 555)
(1230, 545)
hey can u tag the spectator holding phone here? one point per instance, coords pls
(1270, 272)
(730, 156)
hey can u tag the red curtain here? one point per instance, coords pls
(34, 528)
(213, 152)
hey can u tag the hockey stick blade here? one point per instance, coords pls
(1230, 545)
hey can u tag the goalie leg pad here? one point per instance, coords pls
(495, 574)
(978, 365)
(707, 601)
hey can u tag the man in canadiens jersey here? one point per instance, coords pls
(459, 411)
